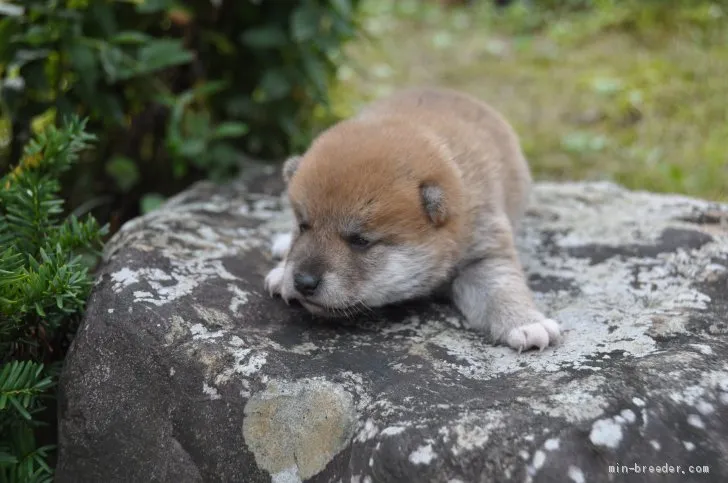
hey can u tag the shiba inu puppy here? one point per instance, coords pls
(419, 190)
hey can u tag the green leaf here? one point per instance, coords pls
(39, 309)
(150, 202)
(305, 21)
(11, 10)
(130, 37)
(268, 37)
(19, 407)
(160, 54)
(343, 7)
(7, 459)
(197, 124)
(153, 6)
(222, 44)
(275, 85)
(316, 73)
(230, 130)
(39, 459)
(24, 56)
(102, 15)
(8, 28)
(208, 88)
(192, 148)
(37, 35)
(110, 107)
(124, 171)
(112, 59)
(84, 61)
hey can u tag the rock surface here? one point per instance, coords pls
(184, 370)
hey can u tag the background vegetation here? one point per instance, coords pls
(172, 91)
(44, 281)
(633, 91)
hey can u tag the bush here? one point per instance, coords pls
(174, 90)
(44, 282)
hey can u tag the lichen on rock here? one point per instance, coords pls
(296, 428)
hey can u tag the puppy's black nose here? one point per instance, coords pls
(306, 283)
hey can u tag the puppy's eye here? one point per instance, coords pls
(358, 241)
(303, 227)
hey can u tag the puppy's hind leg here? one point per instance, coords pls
(494, 297)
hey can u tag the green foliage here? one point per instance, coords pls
(648, 20)
(22, 387)
(173, 90)
(597, 89)
(44, 282)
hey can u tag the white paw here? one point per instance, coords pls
(281, 244)
(537, 334)
(274, 281)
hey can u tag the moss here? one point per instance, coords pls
(631, 92)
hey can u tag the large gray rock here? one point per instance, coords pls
(185, 370)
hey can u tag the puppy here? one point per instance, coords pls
(422, 189)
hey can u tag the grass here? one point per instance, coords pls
(629, 91)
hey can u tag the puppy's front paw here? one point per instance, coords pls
(281, 244)
(274, 281)
(539, 334)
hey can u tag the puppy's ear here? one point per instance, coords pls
(434, 203)
(290, 167)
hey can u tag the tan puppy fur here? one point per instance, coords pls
(421, 189)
